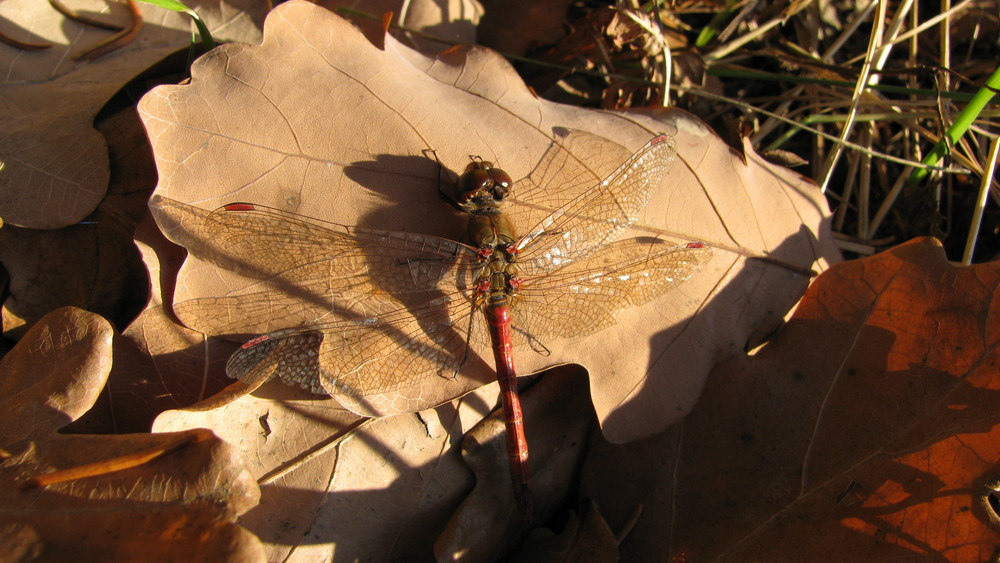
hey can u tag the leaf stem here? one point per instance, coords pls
(115, 464)
(118, 40)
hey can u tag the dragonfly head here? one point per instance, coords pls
(482, 188)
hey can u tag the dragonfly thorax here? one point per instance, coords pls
(498, 279)
(491, 234)
(497, 285)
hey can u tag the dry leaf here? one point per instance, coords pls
(867, 430)
(55, 163)
(452, 21)
(94, 265)
(237, 132)
(513, 27)
(160, 365)
(316, 464)
(584, 539)
(557, 418)
(54, 374)
(180, 505)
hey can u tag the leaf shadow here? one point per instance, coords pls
(678, 347)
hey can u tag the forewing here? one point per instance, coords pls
(583, 297)
(310, 269)
(270, 241)
(598, 215)
(574, 162)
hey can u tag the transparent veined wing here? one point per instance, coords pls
(599, 215)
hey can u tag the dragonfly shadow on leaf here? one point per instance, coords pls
(408, 191)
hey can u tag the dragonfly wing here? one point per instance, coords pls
(598, 215)
(401, 361)
(583, 297)
(262, 243)
(382, 320)
(309, 269)
(300, 297)
(565, 171)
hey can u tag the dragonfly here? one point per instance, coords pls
(388, 315)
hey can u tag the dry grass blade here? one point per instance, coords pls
(875, 82)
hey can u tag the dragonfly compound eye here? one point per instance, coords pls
(471, 183)
(501, 183)
(481, 181)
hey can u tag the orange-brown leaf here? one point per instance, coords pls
(866, 430)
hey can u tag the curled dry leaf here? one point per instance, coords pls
(180, 505)
(558, 418)
(867, 430)
(55, 163)
(583, 538)
(351, 143)
(54, 374)
(421, 20)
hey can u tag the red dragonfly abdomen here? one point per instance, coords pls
(498, 319)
